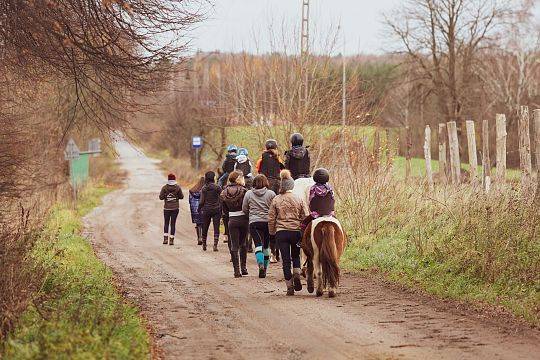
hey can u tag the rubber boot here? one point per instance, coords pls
(243, 261)
(165, 239)
(259, 256)
(290, 287)
(236, 264)
(171, 240)
(297, 273)
(216, 241)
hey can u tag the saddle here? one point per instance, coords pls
(322, 219)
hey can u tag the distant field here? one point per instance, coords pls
(253, 139)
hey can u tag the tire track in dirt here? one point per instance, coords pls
(198, 310)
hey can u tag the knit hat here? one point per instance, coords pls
(210, 176)
(287, 182)
(171, 176)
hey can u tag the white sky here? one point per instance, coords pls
(231, 24)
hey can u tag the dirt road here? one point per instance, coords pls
(198, 310)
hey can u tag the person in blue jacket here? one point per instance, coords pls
(196, 216)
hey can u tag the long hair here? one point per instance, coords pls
(237, 177)
(198, 186)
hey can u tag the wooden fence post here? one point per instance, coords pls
(525, 163)
(486, 163)
(455, 162)
(427, 156)
(408, 139)
(443, 171)
(501, 147)
(536, 114)
(471, 146)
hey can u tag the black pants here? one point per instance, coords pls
(238, 231)
(226, 223)
(290, 252)
(211, 217)
(259, 234)
(170, 219)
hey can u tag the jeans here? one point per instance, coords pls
(170, 219)
(290, 252)
(211, 217)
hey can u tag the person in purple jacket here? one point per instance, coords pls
(321, 198)
(196, 216)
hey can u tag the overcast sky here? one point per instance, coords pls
(233, 24)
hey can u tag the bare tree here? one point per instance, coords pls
(443, 39)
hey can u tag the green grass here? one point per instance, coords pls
(481, 251)
(84, 316)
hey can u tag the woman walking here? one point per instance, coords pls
(210, 208)
(257, 205)
(232, 197)
(194, 199)
(171, 194)
(284, 219)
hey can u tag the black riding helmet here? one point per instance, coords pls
(271, 144)
(297, 139)
(321, 176)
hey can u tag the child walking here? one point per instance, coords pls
(257, 205)
(210, 208)
(194, 199)
(171, 194)
(284, 219)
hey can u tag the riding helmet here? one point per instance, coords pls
(243, 151)
(271, 144)
(232, 148)
(321, 176)
(297, 139)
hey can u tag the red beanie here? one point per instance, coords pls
(171, 177)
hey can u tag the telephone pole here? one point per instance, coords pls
(304, 51)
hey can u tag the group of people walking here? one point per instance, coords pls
(260, 207)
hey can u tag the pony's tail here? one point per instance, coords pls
(328, 256)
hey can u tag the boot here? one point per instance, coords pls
(296, 279)
(266, 253)
(243, 260)
(262, 271)
(216, 241)
(199, 235)
(290, 288)
(236, 265)
(204, 244)
(171, 240)
(165, 239)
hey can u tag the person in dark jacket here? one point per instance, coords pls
(270, 165)
(232, 198)
(228, 164)
(297, 159)
(196, 216)
(171, 194)
(321, 198)
(210, 208)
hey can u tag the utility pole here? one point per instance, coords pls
(304, 52)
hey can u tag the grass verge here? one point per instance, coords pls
(81, 315)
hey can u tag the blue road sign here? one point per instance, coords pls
(196, 142)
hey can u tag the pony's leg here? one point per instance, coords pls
(318, 268)
(310, 283)
(331, 292)
(303, 260)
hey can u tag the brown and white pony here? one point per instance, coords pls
(323, 243)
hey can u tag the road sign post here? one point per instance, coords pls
(79, 162)
(196, 144)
